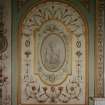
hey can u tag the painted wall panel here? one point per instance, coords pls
(53, 55)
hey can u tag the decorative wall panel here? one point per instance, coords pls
(5, 53)
(52, 55)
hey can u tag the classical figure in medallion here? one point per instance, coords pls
(53, 52)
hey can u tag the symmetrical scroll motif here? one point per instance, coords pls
(99, 49)
(52, 57)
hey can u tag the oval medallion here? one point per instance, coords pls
(53, 52)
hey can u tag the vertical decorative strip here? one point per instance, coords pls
(5, 52)
(41, 79)
(99, 49)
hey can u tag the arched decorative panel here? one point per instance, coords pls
(53, 55)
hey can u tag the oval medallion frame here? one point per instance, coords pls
(52, 54)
